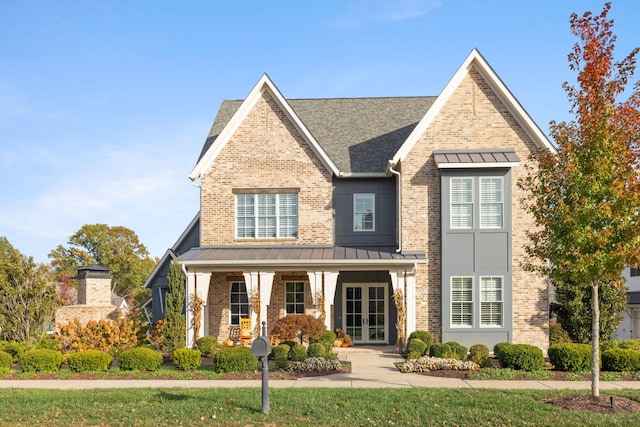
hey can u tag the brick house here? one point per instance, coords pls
(331, 206)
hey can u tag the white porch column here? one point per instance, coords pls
(410, 292)
(315, 283)
(330, 284)
(201, 282)
(266, 284)
(251, 279)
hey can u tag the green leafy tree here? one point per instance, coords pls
(572, 307)
(585, 197)
(117, 248)
(176, 324)
(28, 296)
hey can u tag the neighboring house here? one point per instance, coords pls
(331, 206)
(630, 325)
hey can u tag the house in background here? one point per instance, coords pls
(630, 325)
(331, 207)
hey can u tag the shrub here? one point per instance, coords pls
(412, 355)
(607, 345)
(461, 351)
(105, 335)
(280, 354)
(521, 356)
(630, 344)
(498, 347)
(235, 359)
(557, 335)
(299, 327)
(156, 334)
(48, 343)
(139, 359)
(6, 361)
(207, 345)
(621, 360)
(416, 345)
(327, 339)
(316, 349)
(41, 360)
(443, 351)
(289, 343)
(298, 353)
(16, 349)
(186, 359)
(425, 336)
(89, 361)
(479, 354)
(570, 357)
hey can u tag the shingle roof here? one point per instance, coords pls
(360, 135)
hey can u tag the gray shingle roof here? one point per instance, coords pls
(359, 134)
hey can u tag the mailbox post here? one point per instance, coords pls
(261, 347)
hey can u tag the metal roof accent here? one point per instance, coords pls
(633, 297)
(487, 158)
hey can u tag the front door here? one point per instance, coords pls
(365, 312)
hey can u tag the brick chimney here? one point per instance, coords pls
(94, 285)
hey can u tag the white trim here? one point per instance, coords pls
(264, 84)
(478, 165)
(475, 60)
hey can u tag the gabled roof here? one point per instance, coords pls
(475, 60)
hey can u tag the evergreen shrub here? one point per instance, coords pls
(479, 354)
(521, 356)
(461, 351)
(416, 345)
(425, 336)
(316, 349)
(443, 351)
(139, 359)
(298, 353)
(89, 361)
(621, 360)
(280, 355)
(235, 359)
(40, 360)
(570, 357)
(207, 345)
(6, 361)
(186, 359)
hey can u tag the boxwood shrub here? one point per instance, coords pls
(280, 355)
(186, 359)
(207, 345)
(298, 353)
(89, 361)
(621, 360)
(521, 356)
(316, 349)
(48, 343)
(235, 359)
(570, 357)
(425, 336)
(442, 350)
(498, 347)
(479, 353)
(461, 351)
(630, 344)
(416, 346)
(40, 360)
(5, 362)
(139, 359)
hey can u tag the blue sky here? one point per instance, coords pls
(104, 106)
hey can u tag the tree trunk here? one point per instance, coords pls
(595, 341)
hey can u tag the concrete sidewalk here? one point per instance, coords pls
(370, 368)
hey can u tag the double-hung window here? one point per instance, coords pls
(461, 202)
(238, 302)
(294, 297)
(461, 301)
(364, 212)
(491, 200)
(491, 302)
(267, 216)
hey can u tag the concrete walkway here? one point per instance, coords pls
(370, 368)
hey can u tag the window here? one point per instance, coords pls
(491, 301)
(238, 302)
(294, 297)
(635, 271)
(461, 202)
(265, 216)
(491, 202)
(364, 212)
(461, 301)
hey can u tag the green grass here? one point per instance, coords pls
(303, 407)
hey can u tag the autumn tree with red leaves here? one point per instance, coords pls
(585, 197)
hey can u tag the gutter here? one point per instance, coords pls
(399, 193)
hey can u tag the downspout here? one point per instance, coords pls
(399, 193)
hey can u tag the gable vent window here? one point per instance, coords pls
(266, 216)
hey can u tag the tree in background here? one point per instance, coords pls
(117, 248)
(28, 296)
(572, 307)
(175, 329)
(585, 197)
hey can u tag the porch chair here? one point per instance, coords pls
(246, 334)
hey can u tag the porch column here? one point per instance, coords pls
(330, 283)
(251, 279)
(404, 280)
(315, 283)
(199, 281)
(266, 284)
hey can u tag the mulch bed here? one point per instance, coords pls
(599, 405)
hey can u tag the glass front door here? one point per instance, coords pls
(365, 312)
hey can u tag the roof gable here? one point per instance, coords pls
(475, 60)
(216, 146)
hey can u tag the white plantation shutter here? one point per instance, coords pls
(491, 301)
(461, 202)
(491, 202)
(461, 301)
(288, 215)
(267, 215)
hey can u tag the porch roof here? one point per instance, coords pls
(299, 256)
(633, 297)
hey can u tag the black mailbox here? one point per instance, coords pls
(261, 347)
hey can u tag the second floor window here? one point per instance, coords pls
(364, 212)
(476, 203)
(267, 216)
(635, 271)
(491, 202)
(461, 202)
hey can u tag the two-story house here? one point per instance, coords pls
(331, 207)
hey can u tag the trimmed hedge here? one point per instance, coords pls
(521, 356)
(298, 353)
(89, 361)
(621, 360)
(280, 355)
(498, 347)
(479, 354)
(207, 345)
(41, 360)
(571, 357)
(425, 336)
(6, 361)
(186, 359)
(630, 344)
(48, 343)
(235, 359)
(140, 359)
(316, 349)
(443, 351)
(416, 346)
(461, 351)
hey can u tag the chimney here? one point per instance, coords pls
(94, 285)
